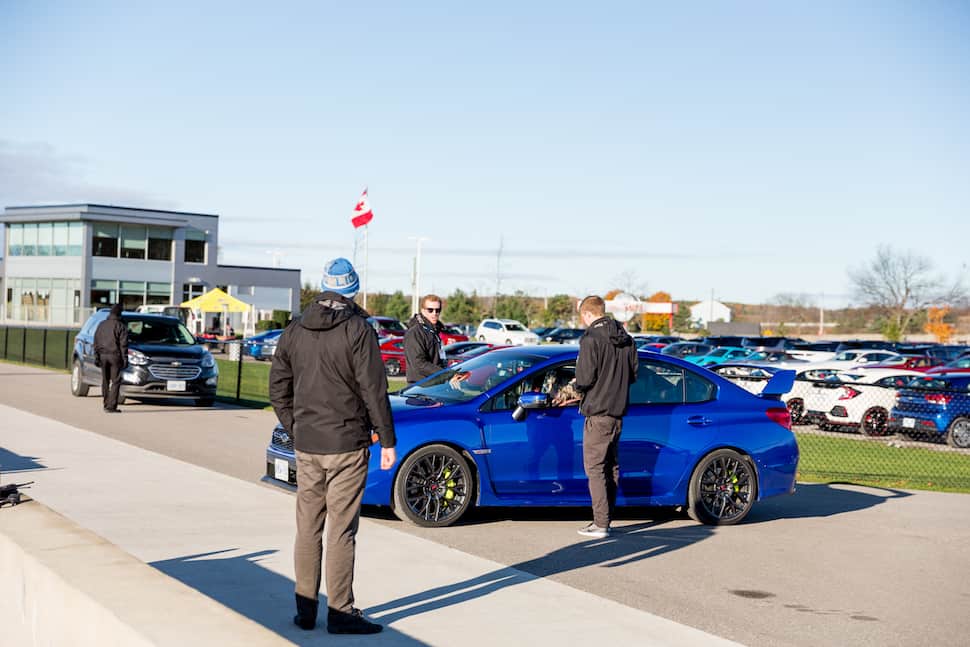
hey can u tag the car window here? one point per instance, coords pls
(556, 382)
(657, 383)
(846, 356)
(515, 327)
(477, 375)
(493, 325)
(894, 381)
(159, 332)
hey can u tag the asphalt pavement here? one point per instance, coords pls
(830, 565)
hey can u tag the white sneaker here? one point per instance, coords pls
(592, 530)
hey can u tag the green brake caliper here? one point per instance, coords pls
(449, 487)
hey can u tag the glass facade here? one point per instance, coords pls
(44, 239)
(57, 301)
(131, 294)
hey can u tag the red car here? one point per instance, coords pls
(922, 363)
(450, 334)
(387, 326)
(959, 365)
(392, 354)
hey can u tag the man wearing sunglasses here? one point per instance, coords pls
(422, 344)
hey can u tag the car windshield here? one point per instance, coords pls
(515, 327)
(846, 356)
(391, 324)
(466, 381)
(144, 331)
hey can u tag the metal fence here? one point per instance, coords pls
(883, 428)
(49, 347)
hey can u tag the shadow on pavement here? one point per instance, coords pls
(633, 544)
(261, 595)
(11, 462)
(822, 500)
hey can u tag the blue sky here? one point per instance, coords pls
(740, 149)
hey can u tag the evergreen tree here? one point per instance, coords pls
(398, 307)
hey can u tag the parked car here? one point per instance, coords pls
(814, 351)
(920, 363)
(769, 343)
(458, 351)
(387, 326)
(392, 354)
(753, 378)
(543, 330)
(263, 345)
(860, 400)
(684, 349)
(724, 340)
(851, 359)
(864, 344)
(485, 432)
(960, 365)
(719, 355)
(505, 331)
(164, 360)
(451, 334)
(564, 336)
(936, 407)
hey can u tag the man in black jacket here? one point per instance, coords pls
(328, 389)
(111, 354)
(423, 352)
(605, 369)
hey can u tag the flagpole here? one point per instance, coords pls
(366, 261)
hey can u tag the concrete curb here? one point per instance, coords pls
(63, 585)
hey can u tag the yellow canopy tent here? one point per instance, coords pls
(215, 300)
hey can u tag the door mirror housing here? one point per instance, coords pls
(529, 400)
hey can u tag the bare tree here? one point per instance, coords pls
(903, 284)
(629, 281)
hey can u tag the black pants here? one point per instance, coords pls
(111, 367)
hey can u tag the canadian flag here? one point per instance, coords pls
(362, 213)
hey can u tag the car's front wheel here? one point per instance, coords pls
(875, 422)
(722, 489)
(796, 409)
(78, 387)
(958, 435)
(434, 487)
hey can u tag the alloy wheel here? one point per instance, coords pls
(726, 488)
(437, 488)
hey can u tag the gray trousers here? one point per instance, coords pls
(601, 441)
(329, 490)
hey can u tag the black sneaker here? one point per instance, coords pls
(354, 622)
(306, 613)
(112, 410)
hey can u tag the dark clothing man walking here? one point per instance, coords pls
(329, 391)
(111, 354)
(605, 369)
(423, 353)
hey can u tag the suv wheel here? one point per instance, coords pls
(78, 387)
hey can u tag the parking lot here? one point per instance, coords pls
(831, 565)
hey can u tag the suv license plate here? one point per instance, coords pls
(282, 469)
(909, 422)
(175, 385)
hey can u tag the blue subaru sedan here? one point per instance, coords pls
(504, 429)
(934, 407)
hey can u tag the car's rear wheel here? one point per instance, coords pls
(875, 422)
(393, 367)
(78, 387)
(481, 338)
(434, 487)
(722, 489)
(796, 409)
(958, 435)
(508, 342)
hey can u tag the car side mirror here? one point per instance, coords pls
(530, 400)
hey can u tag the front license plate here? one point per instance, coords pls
(909, 422)
(175, 385)
(282, 469)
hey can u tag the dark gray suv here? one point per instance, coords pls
(164, 360)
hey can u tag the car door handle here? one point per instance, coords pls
(699, 421)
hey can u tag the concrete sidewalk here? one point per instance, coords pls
(232, 541)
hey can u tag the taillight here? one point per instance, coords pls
(848, 393)
(938, 398)
(781, 416)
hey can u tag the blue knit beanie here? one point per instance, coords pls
(339, 276)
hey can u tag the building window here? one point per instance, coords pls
(132, 293)
(60, 237)
(133, 241)
(105, 240)
(159, 293)
(159, 244)
(103, 293)
(194, 246)
(75, 237)
(192, 290)
(15, 241)
(30, 240)
(45, 238)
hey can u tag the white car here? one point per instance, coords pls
(507, 332)
(861, 400)
(849, 360)
(806, 387)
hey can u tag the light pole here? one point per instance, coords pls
(416, 281)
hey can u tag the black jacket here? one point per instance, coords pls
(327, 384)
(422, 349)
(605, 369)
(111, 337)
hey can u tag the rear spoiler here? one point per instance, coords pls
(779, 384)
